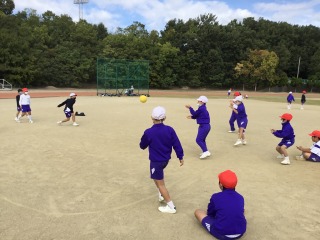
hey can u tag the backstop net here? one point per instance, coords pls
(115, 77)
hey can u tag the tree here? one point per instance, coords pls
(7, 6)
(260, 66)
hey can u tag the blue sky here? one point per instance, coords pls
(154, 14)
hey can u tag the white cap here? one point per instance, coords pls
(238, 98)
(290, 92)
(203, 99)
(158, 113)
(73, 94)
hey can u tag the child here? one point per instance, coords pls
(203, 119)
(24, 103)
(290, 98)
(233, 116)
(224, 218)
(287, 135)
(18, 104)
(161, 139)
(68, 109)
(312, 153)
(229, 92)
(242, 119)
(303, 99)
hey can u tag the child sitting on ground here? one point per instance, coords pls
(224, 218)
(312, 153)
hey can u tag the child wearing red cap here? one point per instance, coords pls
(312, 153)
(224, 218)
(288, 138)
(303, 99)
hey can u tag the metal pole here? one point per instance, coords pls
(298, 67)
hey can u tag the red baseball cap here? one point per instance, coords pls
(286, 116)
(228, 179)
(236, 94)
(24, 89)
(315, 133)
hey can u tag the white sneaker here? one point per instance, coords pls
(16, 119)
(167, 209)
(300, 158)
(280, 156)
(231, 131)
(286, 161)
(238, 142)
(244, 142)
(161, 198)
(75, 124)
(30, 121)
(59, 122)
(205, 154)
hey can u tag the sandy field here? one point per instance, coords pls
(92, 182)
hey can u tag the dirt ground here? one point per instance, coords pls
(92, 181)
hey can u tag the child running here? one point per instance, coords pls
(290, 99)
(24, 103)
(224, 218)
(303, 99)
(68, 109)
(242, 119)
(18, 104)
(312, 153)
(160, 139)
(287, 135)
(203, 119)
(233, 116)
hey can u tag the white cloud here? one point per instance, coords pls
(154, 14)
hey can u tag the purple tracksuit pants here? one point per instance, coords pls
(203, 132)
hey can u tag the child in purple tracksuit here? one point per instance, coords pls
(287, 135)
(290, 99)
(242, 119)
(203, 119)
(224, 218)
(233, 116)
(161, 139)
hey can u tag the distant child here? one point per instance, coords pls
(224, 218)
(160, 139)
(24, 103)
(68, 109)
(18, 104)
(233, 116)
(312, 153)
(242, 119)
(287, 135)
(290, 99)
(303, 99)
(203, 119)
(229, 92)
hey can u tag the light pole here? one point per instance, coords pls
(80, 3)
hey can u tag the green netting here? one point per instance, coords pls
(115, 77)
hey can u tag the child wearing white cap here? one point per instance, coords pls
(290, 99)
(203, 119)
(242, 120)
(68, 109)
(160, 139)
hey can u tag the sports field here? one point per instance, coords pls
(92, 182)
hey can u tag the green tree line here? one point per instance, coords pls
(47, 49)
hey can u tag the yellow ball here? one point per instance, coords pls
(143, 98)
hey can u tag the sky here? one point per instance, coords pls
(154, 14)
